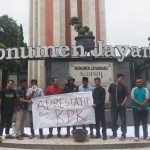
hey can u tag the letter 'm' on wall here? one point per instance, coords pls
(12, 53)
(44, 51)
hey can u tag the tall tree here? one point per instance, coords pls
(21, 38)
(11, 35)
(9, 32)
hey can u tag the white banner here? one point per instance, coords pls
(63, 110)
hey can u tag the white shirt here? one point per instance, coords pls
(38, 92)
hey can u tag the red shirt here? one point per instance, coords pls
(51, 90)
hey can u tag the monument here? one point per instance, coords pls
(49, 25)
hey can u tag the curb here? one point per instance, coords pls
(75, 147)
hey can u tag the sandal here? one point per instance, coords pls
(136, 139)
(147, 139)
(122, 138)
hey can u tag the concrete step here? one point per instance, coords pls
(69, 144)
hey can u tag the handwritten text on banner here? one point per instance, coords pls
(63, 110)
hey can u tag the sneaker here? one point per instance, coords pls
(19, 137)
(49, 136)
(104, 138)
(122, 138)
(25, 135)
(113, 137)
(92, 136)
(9, 137)
(0, 140)
(66, 136)
(31, 136)
(59, 135)
(97, 136)
(41, 136)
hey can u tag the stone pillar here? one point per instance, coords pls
(41, 42)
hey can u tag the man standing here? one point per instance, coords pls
(70, 88)
(22, 110)
(53, 90)
(140, 97)
(31, 94)
(85, 88)
(118, 95)
(7, 108)
(99, 105)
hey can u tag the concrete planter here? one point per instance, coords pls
(79, 135)
(87, 41)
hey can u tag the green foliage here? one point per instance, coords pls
(78, 27)
(137, 65)
(81, 31)
(21, 38)
(86, 28)
(11, 35)
(2, 45)
(90, 33)
(9, 32)
(73, 21)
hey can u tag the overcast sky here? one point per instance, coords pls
(127, 21)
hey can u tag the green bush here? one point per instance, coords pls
(78, 27)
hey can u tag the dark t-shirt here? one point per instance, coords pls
(8, 100)
(118, 93)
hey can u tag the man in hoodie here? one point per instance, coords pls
(70, 88)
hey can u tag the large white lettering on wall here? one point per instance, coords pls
(107, 51)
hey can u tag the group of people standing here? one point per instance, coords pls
(20, 102)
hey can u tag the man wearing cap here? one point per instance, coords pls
(69, 88)
(85, 88)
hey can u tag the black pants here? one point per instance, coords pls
(68, 129)
(138, 117)
(6, 119)
(100, 118)
(58, 130)
(91, 128)
(114, 116)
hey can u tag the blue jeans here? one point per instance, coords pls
(121, 110)
(138, 117)
(31, 125)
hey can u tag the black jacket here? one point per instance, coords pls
(68, 88)
(99, 94)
